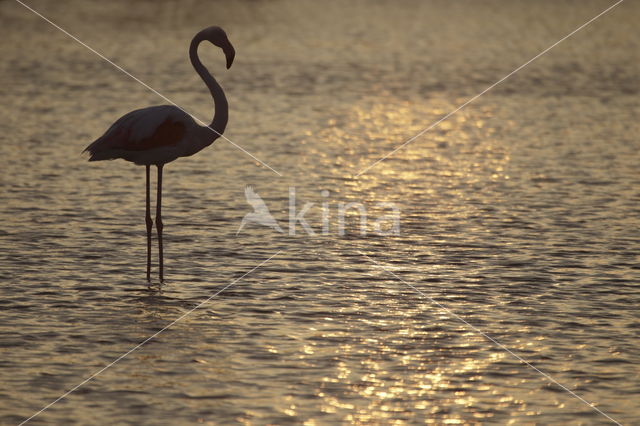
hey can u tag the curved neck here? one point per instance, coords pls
(221, 116)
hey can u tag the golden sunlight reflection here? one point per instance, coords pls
(411, 376)
(373, 128)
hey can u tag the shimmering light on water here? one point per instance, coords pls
(519, 214)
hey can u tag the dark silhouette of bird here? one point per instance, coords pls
(158, 135)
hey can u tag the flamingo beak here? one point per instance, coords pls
(230, 53)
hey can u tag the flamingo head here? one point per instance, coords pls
(218, 37)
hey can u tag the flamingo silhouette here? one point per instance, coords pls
(260, 214)
(158, 135)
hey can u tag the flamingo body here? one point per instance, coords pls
(153, 135)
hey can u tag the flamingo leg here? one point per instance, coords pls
(149, 222)
(159, 224)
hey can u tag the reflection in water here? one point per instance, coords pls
(519, 214)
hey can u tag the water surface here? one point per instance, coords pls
(519, 214)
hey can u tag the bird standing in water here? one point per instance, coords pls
(158, 135)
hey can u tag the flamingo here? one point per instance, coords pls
(160, 134)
